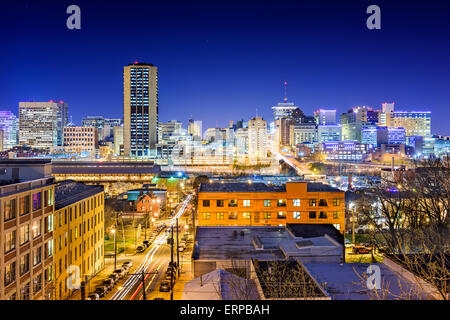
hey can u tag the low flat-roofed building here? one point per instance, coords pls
(260, 204)
(78, 233)
(223, 246)
(348, 282)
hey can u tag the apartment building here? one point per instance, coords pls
(259, 204)
(78, 234)
(80, 139)
(26, 229)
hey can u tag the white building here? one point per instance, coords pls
(257, 140)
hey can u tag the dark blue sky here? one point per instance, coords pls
(222, 60)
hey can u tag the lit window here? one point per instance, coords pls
(296, 202)
(296, 215)
(246, 203)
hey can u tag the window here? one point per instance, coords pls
(296, 215)
(267, 215)
(25, 292)
(50, 223)
(266, 203)
(36, 228)
(281, 203)
(37, 284)
(296, 202)
(322, 215)
(323, 203)
(24, 205)
(48, 197)
(50, 248)
(37, 256)
(281, 215)
(232, 215)
(312, 202)
(205, 203)
(233, 203)
(10, 273)
(335, 215)
(206, 215)
(24, 266)
(10, 209)
(219, 215)
(312, 214)
(24, 234)
(10, 241)
(219, 203)
(336, 202)
(246, 203)
(36, 201)
(246, 215)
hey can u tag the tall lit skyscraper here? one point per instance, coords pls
(195, 129)
(140, 109)
(257, 140)
(41, 123)
(325, 117)
(8, 123)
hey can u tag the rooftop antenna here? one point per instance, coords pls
(285, 92)
(257, 112)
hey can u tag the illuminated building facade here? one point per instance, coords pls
(80, 140)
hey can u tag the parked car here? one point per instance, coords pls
(361, 250)
(159, 298)
(140, 249)
(93, 296)
(127, 264)
(146, 243)
(101, 290)
(109, 283)
(165, 286)
(120, 272)
(114, 276)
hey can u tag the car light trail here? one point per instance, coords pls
(132, 280)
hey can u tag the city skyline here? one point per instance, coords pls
(338, 71)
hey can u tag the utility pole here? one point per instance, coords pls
(143, 285)
(115, 248)
(353, 227)
(171, 263)
(178, 253)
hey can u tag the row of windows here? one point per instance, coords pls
(268, 203)
(269, 215)
(26, 202)
(24, 233)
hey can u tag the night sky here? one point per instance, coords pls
(227, 60)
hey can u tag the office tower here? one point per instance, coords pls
(38, 124)
(195, 129)
(416, 123)
(375, 136)
(303, 133)
(9, 126)
(63, 120)
(140, 109)
(329, 132)
(93, 121)
(325, 117)
(354, 120)
(118, 140)
(388, 107)
(257, 140)
(241, 141)
(167, 130)
(78, 139)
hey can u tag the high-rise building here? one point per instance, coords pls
(325, 117)
(39, 123)
(375, 136)
(195, 129)
(9, 126)
(78, 139)
(354, 120)
(257, 140)
(140, 109)
(303, 133)
(329, 132)
(118, 140)
(167, 130)
(415, 123)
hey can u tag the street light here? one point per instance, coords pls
(115, 247)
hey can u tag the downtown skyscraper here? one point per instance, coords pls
(140, 109)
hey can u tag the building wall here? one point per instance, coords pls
(80, 139)
(78, 241)
(26, 230)
(257, 214)
(38, 124)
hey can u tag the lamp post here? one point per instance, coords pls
(115, 248)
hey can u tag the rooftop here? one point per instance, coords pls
(68, 192)
(94, 167)
(313, 230)
(261, 187)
